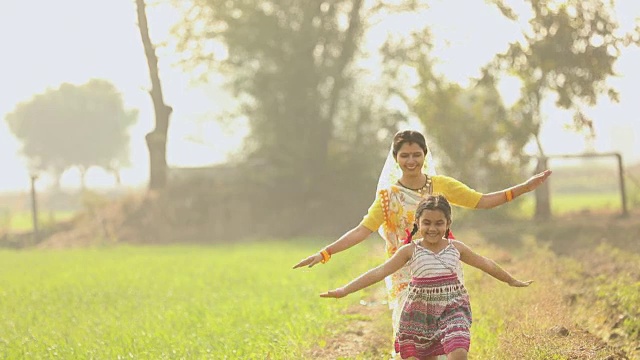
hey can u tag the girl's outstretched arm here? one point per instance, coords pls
(349, 239)
(487, 265)
(488, 201)
(398, 260)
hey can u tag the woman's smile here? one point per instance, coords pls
(410, 157)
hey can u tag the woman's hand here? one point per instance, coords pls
(518, 283)
(349, 239)
(310, 261)
(491, 200)
(536, 180)
(336, 293)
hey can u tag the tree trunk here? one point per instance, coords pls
(322, 131)
(349, 47)
(83, 177)
(542, 194)
(57, 181)
(117, 177)
(156, 139)
(543, 203)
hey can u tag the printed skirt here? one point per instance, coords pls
(435, 319)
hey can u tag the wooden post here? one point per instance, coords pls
(34, 209)
(623, 192)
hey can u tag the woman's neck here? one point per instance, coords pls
(413, 181)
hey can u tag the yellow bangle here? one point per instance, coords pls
(326, 255)
(509, 195)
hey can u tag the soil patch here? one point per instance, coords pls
(368, 335)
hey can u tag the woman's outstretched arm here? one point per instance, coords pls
(349, 239)
(488, 201)
(398, 260)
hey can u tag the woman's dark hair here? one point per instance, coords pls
(408, 137)
(433, 202)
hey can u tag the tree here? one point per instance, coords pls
(317, 133)
(73, 125)
(473, 133)
(287, 62)
(570, 51)
(156, 139)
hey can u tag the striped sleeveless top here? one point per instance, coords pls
(426, 263)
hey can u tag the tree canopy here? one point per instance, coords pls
(569, 50)
(74, 125)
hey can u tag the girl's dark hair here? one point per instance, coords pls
(408, 137)
(433, 202)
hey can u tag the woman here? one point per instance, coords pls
(406, 179)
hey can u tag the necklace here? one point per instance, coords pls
(422, 190)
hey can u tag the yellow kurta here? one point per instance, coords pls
(456, 193)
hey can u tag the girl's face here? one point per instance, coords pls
(410, 158)
(433, 226)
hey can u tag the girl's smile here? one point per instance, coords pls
(433, 226)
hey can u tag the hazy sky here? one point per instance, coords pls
(44, 43)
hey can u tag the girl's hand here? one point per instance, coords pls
(310, 261)
(537, 180)
(518, 283)
(337, 293)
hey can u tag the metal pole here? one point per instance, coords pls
(34, 209)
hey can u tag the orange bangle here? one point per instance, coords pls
(326, 255)
(509, 195)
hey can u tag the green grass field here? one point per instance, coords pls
(243, 301)
(239, 301)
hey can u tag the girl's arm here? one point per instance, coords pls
(397, 261)
(349, 239)
(487, 265)
(488, 201)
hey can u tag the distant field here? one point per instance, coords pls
(23, 220)
(582, 185)
(571, 203)
(239, 301)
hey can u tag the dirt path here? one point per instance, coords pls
(368, 337)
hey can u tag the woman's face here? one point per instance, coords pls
(433, 225)
(410, 158)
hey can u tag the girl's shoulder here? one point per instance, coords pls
(407, 249)
(459, 245)
(410, 245)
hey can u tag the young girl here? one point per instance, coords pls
(436, 316)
